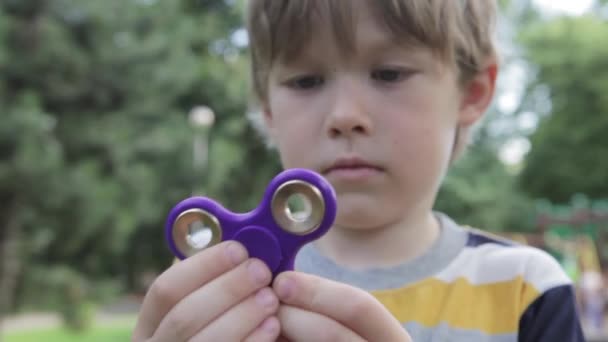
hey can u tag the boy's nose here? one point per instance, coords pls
(348, 117)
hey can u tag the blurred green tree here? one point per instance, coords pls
(480, 190)
(570, 145)
(95, 144)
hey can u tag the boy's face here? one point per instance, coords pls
(378, 123)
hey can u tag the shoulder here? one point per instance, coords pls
(489, 258)
(547, 303)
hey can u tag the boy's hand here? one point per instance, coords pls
(215, 295)
(317, 309)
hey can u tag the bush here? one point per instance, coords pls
(76, 310)
(65, 291)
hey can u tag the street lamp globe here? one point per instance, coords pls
(201, 116)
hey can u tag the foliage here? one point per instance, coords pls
(569, 146)
(95, 142)
(480, 190)
(65, 291)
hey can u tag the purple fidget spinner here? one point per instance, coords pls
(273, 232)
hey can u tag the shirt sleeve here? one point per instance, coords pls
(552, 313)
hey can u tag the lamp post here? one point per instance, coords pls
(201, 118)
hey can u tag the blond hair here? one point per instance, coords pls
(458, 32)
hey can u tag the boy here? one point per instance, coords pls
(378, 96)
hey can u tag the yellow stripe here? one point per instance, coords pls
(491, 308)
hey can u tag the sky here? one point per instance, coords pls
(573, 7)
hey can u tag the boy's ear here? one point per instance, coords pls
(268, 120)
(267, 115)
(478, 94)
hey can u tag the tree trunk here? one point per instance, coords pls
(10, 263)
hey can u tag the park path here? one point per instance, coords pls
(119, 311)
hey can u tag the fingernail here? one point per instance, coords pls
(270, 325)
(236, 253)
(258, 272)
(265, 298)
(285, 288)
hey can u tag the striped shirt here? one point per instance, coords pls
(469, 286)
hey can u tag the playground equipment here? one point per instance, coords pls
(576, 232)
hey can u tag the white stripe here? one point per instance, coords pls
(443, 332)
(491, 263)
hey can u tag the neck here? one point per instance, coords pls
(385, 246)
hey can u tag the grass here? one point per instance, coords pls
(116, 332)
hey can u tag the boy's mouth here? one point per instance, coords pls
(351, 168)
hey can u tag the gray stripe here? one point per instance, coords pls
(443, 332)
(451, 241)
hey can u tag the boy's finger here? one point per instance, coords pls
(241, 320)
(215, 298)
(301, 325)
(182, 279)
(354, 308)
(268, 331)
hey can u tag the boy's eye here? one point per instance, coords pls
(306, 82)
(389, 75)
